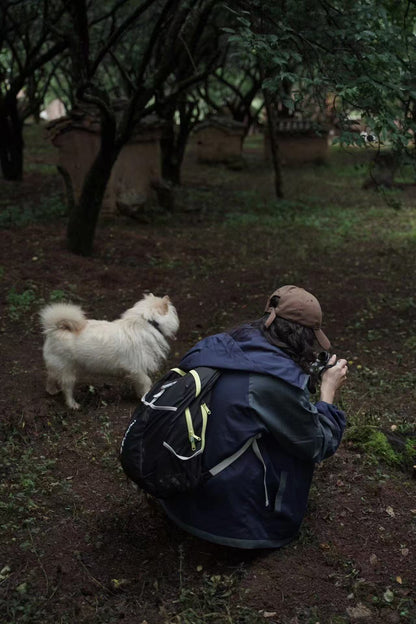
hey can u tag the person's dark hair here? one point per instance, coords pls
(297, 341)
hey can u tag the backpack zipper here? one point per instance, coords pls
(191, 433)
(205, 411)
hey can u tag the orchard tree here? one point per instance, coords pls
(180, 114)
(28, 60)
(358, 51)
(180, 108)
(158, 34)
(235, 86)
(226, 78)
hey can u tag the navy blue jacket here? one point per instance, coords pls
(259, 501)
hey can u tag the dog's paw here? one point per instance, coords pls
(73, 405)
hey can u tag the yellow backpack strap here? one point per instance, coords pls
(179, 371)
(197, 381)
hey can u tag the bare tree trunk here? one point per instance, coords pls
(175, 138)
(171, 167)
(11, 139)
(272, 120)
(173, 145)
(181, 143)
(69, 189)
(84, 214)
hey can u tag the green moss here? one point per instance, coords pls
(378, 448)
(409, 454)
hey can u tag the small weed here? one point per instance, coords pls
(407, 380)
(406, 608)
(24, 604)
(57, 295)
(214, 602)
(43, 168)
(163, 263)
(26, 489)
(20, 303)
(409, 452)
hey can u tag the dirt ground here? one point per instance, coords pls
(78, 543)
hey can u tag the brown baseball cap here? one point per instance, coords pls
(298, 305)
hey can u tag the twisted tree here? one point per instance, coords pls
(28, 59)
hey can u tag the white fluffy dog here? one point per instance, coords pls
(132, 346)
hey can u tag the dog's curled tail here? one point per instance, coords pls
(64, 316)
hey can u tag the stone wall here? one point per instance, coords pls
(299, 143)
(136, 174)
(219, 140)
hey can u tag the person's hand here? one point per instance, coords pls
(333, 378)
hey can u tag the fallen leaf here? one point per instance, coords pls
(119, 583)
(5, 572)
(359, 612)
(388, 595)
(373, 560)
(399, 580)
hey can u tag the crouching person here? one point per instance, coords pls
(262, 400)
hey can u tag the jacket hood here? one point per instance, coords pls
(250, 352)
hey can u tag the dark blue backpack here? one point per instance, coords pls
(162, 449)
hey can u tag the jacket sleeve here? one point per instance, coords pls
(308, 431)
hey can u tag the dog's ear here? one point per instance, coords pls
(165, 305)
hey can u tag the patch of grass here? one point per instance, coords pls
(409, 452)
(216, 600)
(29, 482)
(58, 295)
(406, 174)
(23, 604)
(20, 303)
(254, 141)
(326, 223)
(16, 215)
(200, 201)
(163, 263)
(43, 168)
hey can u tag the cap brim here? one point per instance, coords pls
(322, 339)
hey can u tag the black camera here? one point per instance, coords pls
(317, 369)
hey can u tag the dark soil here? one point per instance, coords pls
(79, 544)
